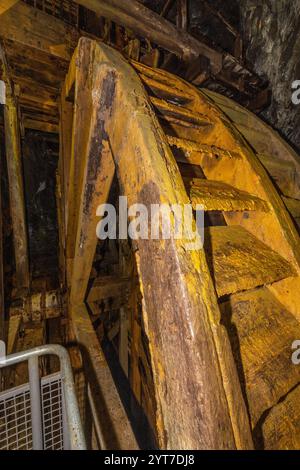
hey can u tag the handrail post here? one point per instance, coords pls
(35, 403)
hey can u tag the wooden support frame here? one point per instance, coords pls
(15, 178)
(116, 431)
(98, 177)
(135, 16)
(89, 176)
(2, 305)
(188, 416)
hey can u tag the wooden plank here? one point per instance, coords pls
(66, 112)
(33, 28)
(123, 340)
(194, 151)
(38, 93)
(83, 109)
(97, 182)
(34, 107)
(116, 430)
(36, 71)
(261, 136)
(283, 173)
(106, 287)
(2, 303)
(33, 336)
(179, 113)
(16, 192)
(14, 324)
(35, 115)
(239, 261)
(65, 142)
(92, 169)
(262, 331)
(160, 81)
(287, 292)
(280, 429)
(40, 126)
(17, 52)
(219, 196)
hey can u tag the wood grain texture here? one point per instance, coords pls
(239, 261)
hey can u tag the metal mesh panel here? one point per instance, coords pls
(15, 416)
(34, 415)
(15, 420)
(52, 410)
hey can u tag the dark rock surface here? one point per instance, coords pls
(271, 32)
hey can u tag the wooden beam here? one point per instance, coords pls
(182, 14)
(99, 173)
(146, 23)
(90, 174)
(143, 21)
(105, 287)
(2, 311)
(40, 125)
(75, 163)
(15, 177)
(34, 28)
(34, 92)
(65, 142)
(16, 191)
(116, 431)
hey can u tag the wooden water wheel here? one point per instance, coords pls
(213, 328)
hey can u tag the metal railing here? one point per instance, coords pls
(44, 413)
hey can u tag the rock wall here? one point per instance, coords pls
(271, 32)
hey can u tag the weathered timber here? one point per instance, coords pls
(2, 311)
(107, 286)
(256, 249)
(75, 164)
(263, 331)
(16, 191)
(40, 125)
(99, 173)
(32, 336)
(216, 195)
(268, 144)
(96, 173)
(248, 262)
(65, 144)
(278, 428)
(148, 24)
(38, 306)
(13, 329)
(34, 28)
(116, 430)
(283, 173)
(147, 172)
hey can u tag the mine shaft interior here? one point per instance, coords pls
(116, 330)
